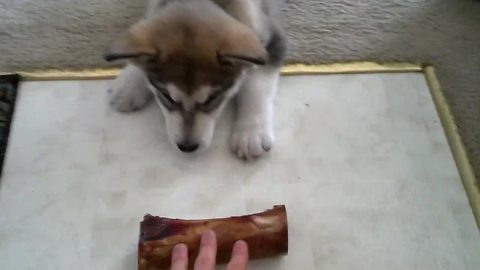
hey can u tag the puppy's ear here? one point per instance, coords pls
(242, 46)
(135, 43)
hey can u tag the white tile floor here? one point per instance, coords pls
(361, 163)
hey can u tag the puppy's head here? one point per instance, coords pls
(194, 57)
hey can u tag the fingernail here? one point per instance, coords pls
(240, 247)
(180, 250)
(208, 237)
(209, 234)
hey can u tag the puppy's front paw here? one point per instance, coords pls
(252, 141)
(124, 99)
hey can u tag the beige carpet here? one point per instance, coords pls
(69, 33)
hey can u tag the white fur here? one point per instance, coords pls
(129, 91)
(202, 94)
(253, 131)
(204, 128)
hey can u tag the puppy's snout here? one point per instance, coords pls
(187, 147)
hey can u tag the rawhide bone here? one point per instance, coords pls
(266, 234)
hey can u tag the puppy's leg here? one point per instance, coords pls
(129, 91)
(253, 131)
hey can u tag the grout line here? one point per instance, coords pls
(293, 69)
(455, 141)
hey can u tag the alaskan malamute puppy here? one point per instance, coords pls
(192, 57)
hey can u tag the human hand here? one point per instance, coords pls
(207, 255)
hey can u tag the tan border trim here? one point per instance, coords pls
(456, 143)
(66, 75)
(354, 67)
(294, 69)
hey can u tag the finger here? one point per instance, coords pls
(239, 258)
(179, 257)
(208, 252)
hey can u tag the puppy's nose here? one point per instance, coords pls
(188, 147)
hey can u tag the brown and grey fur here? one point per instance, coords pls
(194, 56)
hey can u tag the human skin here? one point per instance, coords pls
(206, 259)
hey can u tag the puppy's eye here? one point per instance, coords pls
(212, 102)
(166, 96)
(211, 99)
(163, 95)
(167, 100)
(155, 83)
